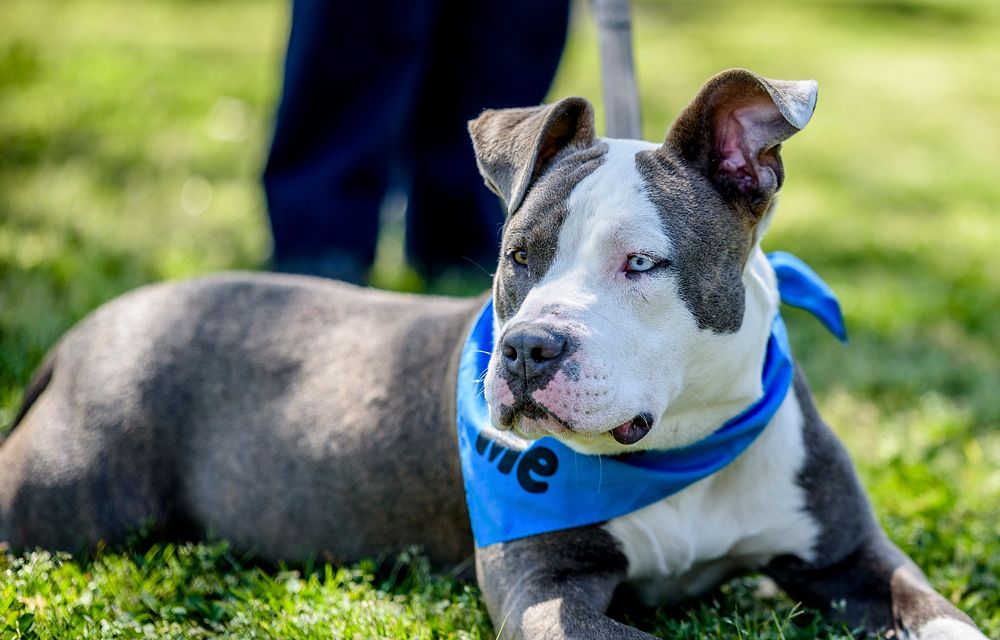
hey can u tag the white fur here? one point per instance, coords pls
(948, 629)
(640, 348)
(754, 509)
(738, 518)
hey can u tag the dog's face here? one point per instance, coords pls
(631, 306)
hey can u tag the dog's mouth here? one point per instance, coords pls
(539, 420)
(525, 408)
(633, 430)
(627, 433)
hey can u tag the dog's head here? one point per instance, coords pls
(632, 303)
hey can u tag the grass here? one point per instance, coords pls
(131, 139)
(199, 591)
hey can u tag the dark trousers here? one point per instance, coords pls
(377, 90)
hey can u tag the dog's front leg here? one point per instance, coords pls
(858, 575)
(554, 586)
(877, 588)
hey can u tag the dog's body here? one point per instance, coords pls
(300, 417)
(232, 405)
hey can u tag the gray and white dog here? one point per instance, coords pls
(296, 416)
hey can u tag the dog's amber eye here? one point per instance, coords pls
(520, 256)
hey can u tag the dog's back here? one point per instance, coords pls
(250, 407)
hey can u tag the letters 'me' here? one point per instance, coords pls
(536, 462)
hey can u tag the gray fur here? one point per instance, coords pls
(711, 240)
(535, 227)
(554, 586)
(858, 575)
(514, 146)
(533, 159)
(834, 495)
(39, 382)
(236, 405)
(711, 223)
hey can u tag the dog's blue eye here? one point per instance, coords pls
(640, 262)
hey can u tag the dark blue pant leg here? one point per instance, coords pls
(485, 55)
(351, 76)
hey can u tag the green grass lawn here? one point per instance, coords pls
(131, 139)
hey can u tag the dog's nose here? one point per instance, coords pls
(532, 352)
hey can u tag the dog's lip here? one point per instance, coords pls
(633, 430)
(510, 415)
(627, 433)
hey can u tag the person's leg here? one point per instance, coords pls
(486, 55)
(351, 73)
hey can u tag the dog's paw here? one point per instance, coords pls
(948, 629)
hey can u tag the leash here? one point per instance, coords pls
(619, 86)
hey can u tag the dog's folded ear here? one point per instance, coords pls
(514, 146)
(732, 133)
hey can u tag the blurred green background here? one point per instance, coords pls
(132, 136)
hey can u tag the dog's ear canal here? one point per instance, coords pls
(514, 146)
(732, 132)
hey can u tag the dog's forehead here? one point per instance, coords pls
(632, 196)
(587, 198)
(611, 213)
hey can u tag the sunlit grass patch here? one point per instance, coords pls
(200, 591)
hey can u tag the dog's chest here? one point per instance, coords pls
(740, 518)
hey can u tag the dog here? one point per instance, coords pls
(634, 312)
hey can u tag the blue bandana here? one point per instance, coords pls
(521, 488)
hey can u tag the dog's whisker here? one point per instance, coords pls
(479, 266)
